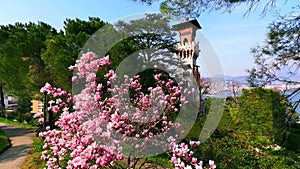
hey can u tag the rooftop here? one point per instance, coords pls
(187, 24)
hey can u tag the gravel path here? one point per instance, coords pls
(21, 140)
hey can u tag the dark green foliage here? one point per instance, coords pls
(41, 54)
(24, 105)
(294, 142)
(227, 152)
(33, 54)
(150, 40)
(233, 152)
(22, 117)
(22, 70)
(153, 31)
(245, 131)
(294, 138)
(2, 104)
(63, 50)
(147, 79)
(226, 124)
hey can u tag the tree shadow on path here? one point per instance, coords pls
(21, 140)
(15, 152)
(12, 131)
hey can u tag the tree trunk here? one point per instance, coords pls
(3, 111)
(51, 119)
(45, 112)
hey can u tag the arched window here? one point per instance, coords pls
(185, 41)
(180, 54)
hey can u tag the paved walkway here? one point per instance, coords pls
(21, 140)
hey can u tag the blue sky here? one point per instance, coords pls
(232, 35)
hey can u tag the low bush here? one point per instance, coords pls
(4, 141)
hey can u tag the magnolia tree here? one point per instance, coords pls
(116, 126)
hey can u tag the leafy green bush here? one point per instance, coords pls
(261, 116)
(233, 152)
(257, 120)
(293, 140)
(4, 141)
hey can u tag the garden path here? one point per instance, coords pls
(21, 140)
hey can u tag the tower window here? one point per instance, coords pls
(185, 41)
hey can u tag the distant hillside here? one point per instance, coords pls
(240, 79)
(236, 78)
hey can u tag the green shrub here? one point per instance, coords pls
(4, 141)
(261, 115)
(294, 142)
(255, 121)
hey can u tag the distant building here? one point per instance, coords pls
(6, 102)
(11, 103)
(188, 49)
(37, 106)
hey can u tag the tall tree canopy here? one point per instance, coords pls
(22, 69)
(150, 31)
(32, 54)
(63, 50)
(153, 38)
(141, 41)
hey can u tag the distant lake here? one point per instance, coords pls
(294, 99)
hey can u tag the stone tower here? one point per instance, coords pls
(187, 48)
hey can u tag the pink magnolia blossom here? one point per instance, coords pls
(92, 128)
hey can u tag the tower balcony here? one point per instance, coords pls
(188, 52)
(188, 46)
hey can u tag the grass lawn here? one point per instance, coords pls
(4, 141)
(33, 161)
(162, 160)
(6, 121)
